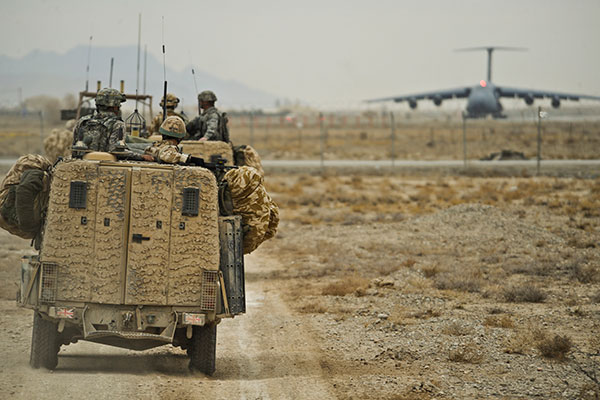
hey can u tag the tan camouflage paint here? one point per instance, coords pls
(197, 246)
(68, 242)
(167, 269)
(206, 149)
(151, 196)
(110, 249)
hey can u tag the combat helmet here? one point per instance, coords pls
(173, 126)
(172, 101)
(207, 95)
(109, 97)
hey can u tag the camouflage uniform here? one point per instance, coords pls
(165, 151)
(104, 130)
(172, 102)
(168, 153)
(211, 124)
(158, 119)
(101, 131)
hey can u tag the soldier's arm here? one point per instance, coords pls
(167, 154)
(212, 124)
(117, 133)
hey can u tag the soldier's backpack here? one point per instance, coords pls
(260, 214)
(24, 195)
(246, 155)
(223, 128)
(94, 133)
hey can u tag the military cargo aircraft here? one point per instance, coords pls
(483, 99)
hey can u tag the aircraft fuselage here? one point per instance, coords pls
(483, 101)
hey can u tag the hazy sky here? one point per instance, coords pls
(333, 51)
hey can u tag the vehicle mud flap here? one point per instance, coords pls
(232, 263)
(91, 333)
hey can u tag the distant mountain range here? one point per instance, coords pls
(49, 73)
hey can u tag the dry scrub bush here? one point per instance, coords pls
(557, 347)
(585, 273)
(468, 353)
(596, 298)
(523, 340)
(346, 286)
(430, 271)
(462, 281)
(524, 294)
(456, 329)
(497, 321)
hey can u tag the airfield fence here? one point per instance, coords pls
(366, 135)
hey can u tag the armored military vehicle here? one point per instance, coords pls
(134, 255)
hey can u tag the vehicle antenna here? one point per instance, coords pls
(145, 64)
(87, 69)
(137, 77)
(135, 123)
(164, 70)
(112, 63)
(193, 73)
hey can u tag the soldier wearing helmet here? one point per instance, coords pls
(172, 131)
(102, 130)
(172, 102)
(211, 124)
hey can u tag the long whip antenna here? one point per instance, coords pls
(193, 73)
(164, 70)
(87, 69)
(137, 77)
(145, 64)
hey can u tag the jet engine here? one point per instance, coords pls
(528, 99)
(437, 100)
(412, 103)
(555, 102)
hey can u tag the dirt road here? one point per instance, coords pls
(266, 354)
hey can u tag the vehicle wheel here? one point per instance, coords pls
(203, 349)
(44, 343)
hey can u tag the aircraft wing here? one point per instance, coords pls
(437, 95)
(540, 94)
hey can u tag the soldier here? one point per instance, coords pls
(172, 131)
(211, 124)
(172, 102)
(104, 130)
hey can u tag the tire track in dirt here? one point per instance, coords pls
(265, 354)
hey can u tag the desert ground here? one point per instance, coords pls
(381, 284)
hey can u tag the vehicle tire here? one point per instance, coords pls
(44, 343)
(202, 351)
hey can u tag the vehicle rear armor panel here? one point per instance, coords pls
(155, 226)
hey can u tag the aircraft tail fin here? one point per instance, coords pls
(490, 50)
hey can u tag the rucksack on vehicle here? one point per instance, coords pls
(18, 208)
(260, 214)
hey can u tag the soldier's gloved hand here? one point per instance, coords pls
(203, 139)
(147, 157)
